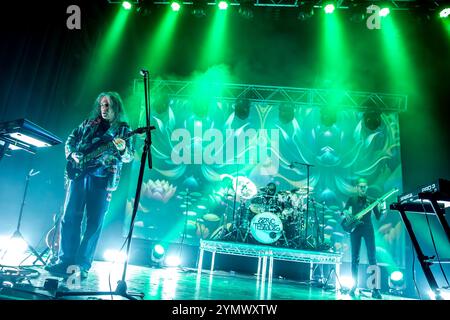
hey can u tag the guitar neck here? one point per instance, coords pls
(366, 210)
(361, 214)
(109, 145)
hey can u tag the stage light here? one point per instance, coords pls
(246, 9)
(384, 12)
(305, 11)
(158, 253)
(173, 261)
(242, 108)
(143, 8)
(372, 119)
(175, 6)
(126, 5)
(223, 5)
(286, 112)
(329, 8)
(396, 283)
(114, 256)
(347, 282)
(199, 8)
(328, 116)
(357, 12)
(444, 13)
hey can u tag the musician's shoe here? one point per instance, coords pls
(352, 292)
(376, 294)
(84, 273)
(57, 268)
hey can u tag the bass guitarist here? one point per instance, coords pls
(90, 189)
(364, 230)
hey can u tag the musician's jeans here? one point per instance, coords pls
(356, 236)
(85, 193)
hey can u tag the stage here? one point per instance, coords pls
(179, 283)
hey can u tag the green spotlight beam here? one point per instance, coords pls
(155, 55)
(446, 23)
(334, 56)
(214, 49)
(100, 65)
(400, 72)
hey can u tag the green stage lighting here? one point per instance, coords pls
(175, 6)
(126, 5)
(223, 5)
(444, 13)
(329, 8)
(384, 12)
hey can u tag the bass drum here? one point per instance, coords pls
(266, 227)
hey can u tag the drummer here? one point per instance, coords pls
(271, 189)
(267, 195)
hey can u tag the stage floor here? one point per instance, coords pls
(180, 284)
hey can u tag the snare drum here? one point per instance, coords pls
(266, 227)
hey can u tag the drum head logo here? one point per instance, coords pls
(266, 227)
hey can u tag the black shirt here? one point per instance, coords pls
(357, 204)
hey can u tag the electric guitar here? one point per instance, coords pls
(76, 170)
(350, 222)
(53, 237)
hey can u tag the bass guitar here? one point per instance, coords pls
(350, 222)
(76, 170)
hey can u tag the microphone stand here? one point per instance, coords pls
(121, 289)
(308, 166)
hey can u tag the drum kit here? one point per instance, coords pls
(268, 217)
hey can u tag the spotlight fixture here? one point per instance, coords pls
(286, 112)
(372, 119)
(328, 116)
(242, 108)
(444, 13)
(396, 283)
(329, 7)
(175, 5)
(199, 8)
(158, 253)
(384, 11)
(357, 11)
(143, 8)
(246, 8)
(126, 5)
(305, 11)
(223, 5)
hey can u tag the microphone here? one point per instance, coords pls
(144, 72)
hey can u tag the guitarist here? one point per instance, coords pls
(92, 190)
(354, 205)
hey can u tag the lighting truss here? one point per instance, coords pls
(340, 4)
(358, 100)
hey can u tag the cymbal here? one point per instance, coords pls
(244, 187)
(196, 194)
(211, 217)
(190, 213)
